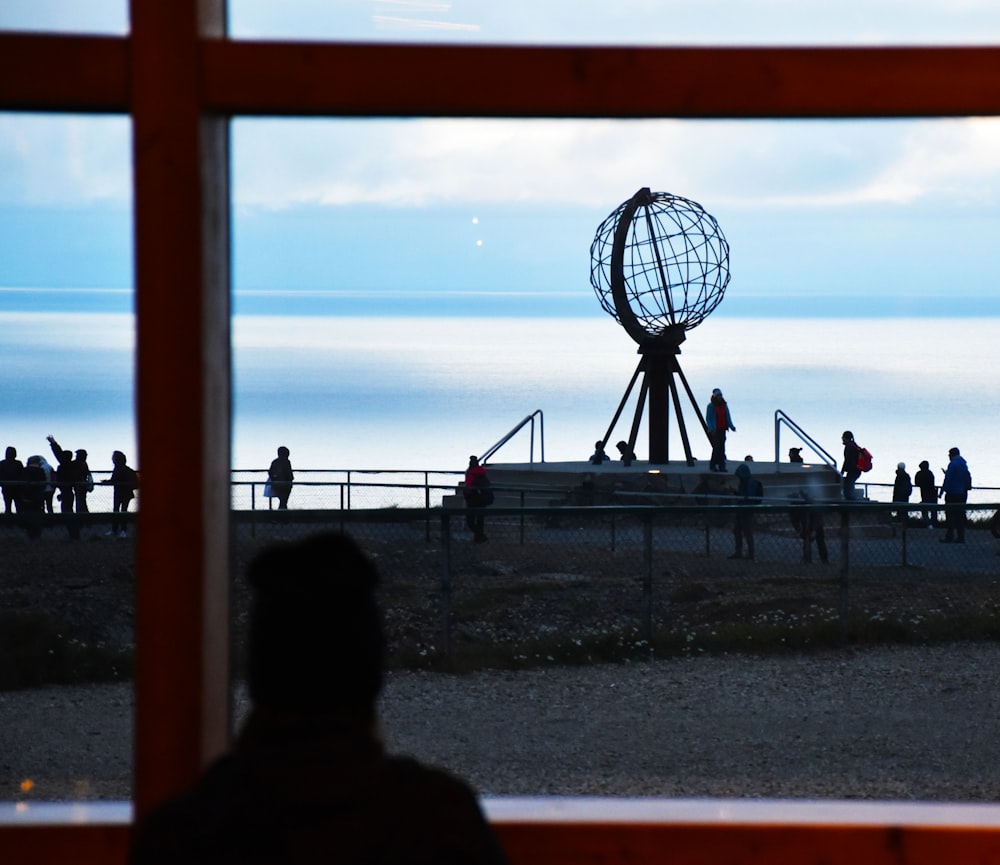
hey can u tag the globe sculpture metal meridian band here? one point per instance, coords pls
(659, 264)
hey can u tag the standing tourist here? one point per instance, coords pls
(718, 421)
(31, 500)
(84, 481)
(477, 494)
(902, 489)
(11, 470)
(280, 476)
(749, 490)
(955, 487)
(65, 483)
(125, 482)
(924, 481)
(849, 469)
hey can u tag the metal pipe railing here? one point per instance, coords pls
(781, 418)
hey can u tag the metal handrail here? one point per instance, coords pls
(779, 418)
(541, 437)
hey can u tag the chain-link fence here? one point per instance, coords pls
(583, 584)
(565, 584)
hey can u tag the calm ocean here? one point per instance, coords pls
(424, 393)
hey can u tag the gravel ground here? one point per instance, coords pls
(890, 723)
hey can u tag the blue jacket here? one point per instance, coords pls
(710, 417)
(957, 478)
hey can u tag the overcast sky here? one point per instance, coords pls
(902, 211)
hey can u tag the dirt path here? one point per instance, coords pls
(888, 723)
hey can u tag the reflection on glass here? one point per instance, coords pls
(106, 17)
(630, 22)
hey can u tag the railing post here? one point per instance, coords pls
(446, 585)
(906, 519)
(845, 549)
(348, 490)
(341, 507)
(253, 509)
(427, 507)
(647, 581)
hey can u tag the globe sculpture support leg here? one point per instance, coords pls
(660, 373)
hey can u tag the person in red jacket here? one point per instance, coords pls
(477, 495)
(718, 421)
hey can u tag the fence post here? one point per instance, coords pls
(647, 582)
(427, 507)
(253, 510)
(446, 586)
(845, 549)
(906, 519)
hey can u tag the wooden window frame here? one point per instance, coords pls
(180, 80)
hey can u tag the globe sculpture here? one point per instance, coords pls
(659, 266)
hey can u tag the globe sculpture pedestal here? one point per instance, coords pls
(659, 266)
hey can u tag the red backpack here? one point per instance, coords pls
(864, 460)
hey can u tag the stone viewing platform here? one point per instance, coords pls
(582, 483)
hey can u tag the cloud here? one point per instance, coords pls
(423, 163)
(64, 160)
(75, 160)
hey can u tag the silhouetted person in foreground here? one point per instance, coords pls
(308, 779)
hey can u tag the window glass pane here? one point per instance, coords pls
(407, 291)
(67, 579)
(640, 22)
(65, 16)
